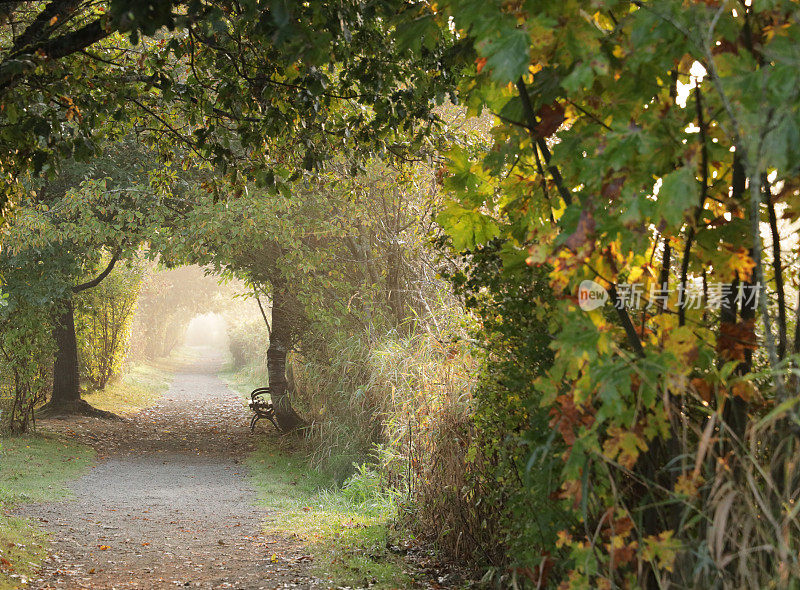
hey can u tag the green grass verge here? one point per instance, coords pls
(33, 468)
(140, 387)
(345, 529)
(346, 536)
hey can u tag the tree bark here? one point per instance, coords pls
(66, 395)
(279, 345)
(66, 383)
(777, 267)
(730, 344)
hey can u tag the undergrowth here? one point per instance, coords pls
(347, 529)
(397, 403)
(347, 524)
(33, 468)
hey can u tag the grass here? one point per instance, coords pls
(347, 538)
(138, 388)
(241, 380)
(346, 528)
(36, 467)
(33, 468)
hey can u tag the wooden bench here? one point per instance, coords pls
(262, 407)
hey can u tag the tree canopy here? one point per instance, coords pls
(618, 218)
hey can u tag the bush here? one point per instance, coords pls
(103, 317)
(26, 346)
(500, 509)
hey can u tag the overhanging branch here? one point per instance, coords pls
(99, 278)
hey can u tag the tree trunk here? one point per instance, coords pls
(734, 345)
(66, 396)
(279, 345)
(66, 385)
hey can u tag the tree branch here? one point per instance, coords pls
(776, 267)
(627, 324)
(98, 279)
(54, 49)
(527, 108)
(687, 250)
(263, 313)
(40, 26)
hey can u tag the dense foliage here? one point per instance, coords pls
(649, 147)
(507, 508)
(103, 321)
(643, 153)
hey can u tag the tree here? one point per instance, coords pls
(103, 321)
(71, 60)
(105, 207)
(642, 145)
(66, 394)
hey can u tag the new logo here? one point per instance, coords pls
(591, 295)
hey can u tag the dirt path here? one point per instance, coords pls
(168, 504)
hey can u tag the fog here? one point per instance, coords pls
(207, 330)
(187, 306)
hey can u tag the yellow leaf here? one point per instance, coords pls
(687, 484)
(683, 344)
(661, 549)
(623, 446)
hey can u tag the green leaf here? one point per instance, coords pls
(507, 56)
(678, 192)
(468, 228)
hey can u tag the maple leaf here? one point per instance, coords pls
(661, 549)
(621, 527)
(687, 484)
(703, 389)
(623, 446)
(571, 489)
(683, 344)
(567, 417)
(733, 339)
(583, 232)
(622, 554)
(741, 264)
(744, 390)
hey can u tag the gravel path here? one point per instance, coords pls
(168, 504)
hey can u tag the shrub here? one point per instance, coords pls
(103, 317)
(500, 510)
(26, 346)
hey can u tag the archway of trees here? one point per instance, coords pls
(338, 247)
(587, 207)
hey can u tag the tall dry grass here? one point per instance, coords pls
(741, 528)
(383, 397)
(402, 403)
